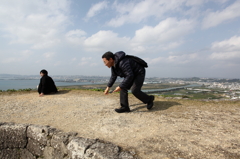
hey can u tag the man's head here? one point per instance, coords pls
(43, 72)
(108, 59)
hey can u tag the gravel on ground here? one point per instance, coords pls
(172, 129)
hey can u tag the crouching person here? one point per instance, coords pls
(133, 72)
(46, 85)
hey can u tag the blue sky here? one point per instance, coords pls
(178, 38)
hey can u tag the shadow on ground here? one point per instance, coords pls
(158, 106)
(62, 92)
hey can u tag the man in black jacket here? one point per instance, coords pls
(134, 75)
(46, 85)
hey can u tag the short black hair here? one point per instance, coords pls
(108, 55)
(45, 72)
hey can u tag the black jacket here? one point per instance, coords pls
(125, 67)
(47, 85)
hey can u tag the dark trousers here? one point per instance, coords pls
(136, 91)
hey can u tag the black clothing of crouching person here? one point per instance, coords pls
(46, 85)
(133, 74)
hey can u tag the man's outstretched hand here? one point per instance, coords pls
(106, 91)
(117, 89)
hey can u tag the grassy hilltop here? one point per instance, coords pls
(173, 128)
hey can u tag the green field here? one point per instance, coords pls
(191, 94)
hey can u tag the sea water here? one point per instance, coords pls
(25, 84)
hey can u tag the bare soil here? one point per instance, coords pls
(173, 129)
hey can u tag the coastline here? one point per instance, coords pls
(32, 84)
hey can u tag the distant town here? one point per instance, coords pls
(230, 87)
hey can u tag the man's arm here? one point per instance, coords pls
(111, 81)
(112, 78)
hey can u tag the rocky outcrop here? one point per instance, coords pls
(23, 141)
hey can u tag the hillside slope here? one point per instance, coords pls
(172, 129)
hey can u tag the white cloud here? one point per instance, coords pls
(36, 23)
(165, 31)
(17, 57)
(195, 2)
(215, 18)
(225, 55)
(156, 60)
(142, 10)
(95, 9)
(201, 2)
(26, 53)
(184, 58)
(167, 34)
(73, 59)
(175, 59)
(227, 49)
(85, 61)
(232, 44)
(10, 60)
(49, 55)
(105, 41)
(135, 13)
(58, 63)
(75, 36)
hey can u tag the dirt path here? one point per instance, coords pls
(172, 129)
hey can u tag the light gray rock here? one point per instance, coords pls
(35, 147)
(125, 155)
(78, 146)
(25, 154)
(59, 136)
(101, 150)
(38, 133)
(13, 136)
(19, 141)
(9, 154)
(59, 142)
(48, 153)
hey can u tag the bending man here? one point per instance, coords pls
(134, 75)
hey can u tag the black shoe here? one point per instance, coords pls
(122, 110)
(150, 104)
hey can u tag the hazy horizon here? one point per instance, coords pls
(109, 76)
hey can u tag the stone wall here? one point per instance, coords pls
(25, 141)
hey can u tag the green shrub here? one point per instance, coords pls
(96, 89)
(11, 90)
(169, 95)
(28, 89)
(204, 96)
